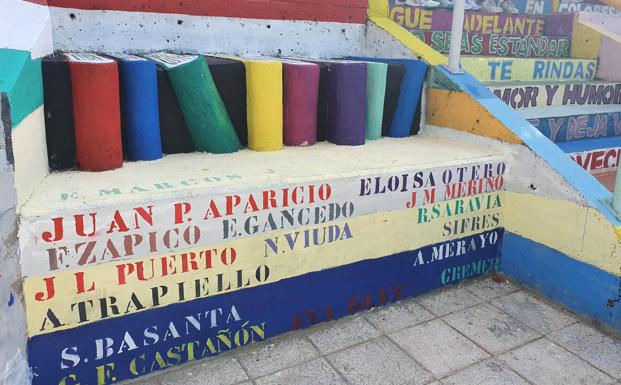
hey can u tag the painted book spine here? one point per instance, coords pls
(97, 115)
(140, 110)
(300, 93)
(203, 109)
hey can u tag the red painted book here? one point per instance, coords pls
(96, 112)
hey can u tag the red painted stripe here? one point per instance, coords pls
(344, 11)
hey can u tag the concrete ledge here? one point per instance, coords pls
(183, 175)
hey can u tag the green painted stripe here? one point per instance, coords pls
(203, 109)
(376, 90)
(20, 79)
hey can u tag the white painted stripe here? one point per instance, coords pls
(139, 32)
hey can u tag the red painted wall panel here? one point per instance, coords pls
(344, 11)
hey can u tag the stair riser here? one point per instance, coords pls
(421, 19)
(530, 70)
(499, 44)
(569, 128)
(576, 6)
(556, 95)
(598, 161)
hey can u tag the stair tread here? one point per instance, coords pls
(555, 112)
(250, 169)
(545, 83)
(588, 144)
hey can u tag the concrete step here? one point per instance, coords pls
(500, 45)
(539, 95)
(598, 156)
(510, 70)
(565, 124)
(439, 19)
(198, 173)
(503, 35)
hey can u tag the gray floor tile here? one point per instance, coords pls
(489, 372)
(448, 300)
(278, 354)
(438, 347)
(601, 350)
(340, 334)
(316, 372)
(534, 312)
(491, 287)
(219, 371)
(544, 363)
(490, 328)
(398, 316)
(379, 361)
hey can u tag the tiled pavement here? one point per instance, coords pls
(486, 332)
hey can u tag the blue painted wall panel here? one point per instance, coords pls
(583, 288)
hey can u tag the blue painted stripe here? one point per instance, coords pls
(575, 175)
(581, 287)
(411, 89)
(288, 304)
(139, 99)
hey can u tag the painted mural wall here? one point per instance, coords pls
(141, 271)
(137, 283)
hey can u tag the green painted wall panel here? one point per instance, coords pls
(20, 79)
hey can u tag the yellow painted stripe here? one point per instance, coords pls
(580, 232)
(414, 44)
(472, 117)
(265, 109)
(372, 236)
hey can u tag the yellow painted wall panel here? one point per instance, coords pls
(472, 117)
(580, 232)
(585, 42)
(265, 108)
